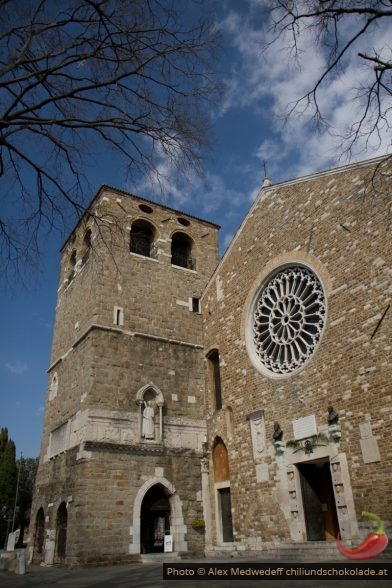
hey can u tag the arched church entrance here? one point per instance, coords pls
(39, 536)
(154, 520)
(61, 533)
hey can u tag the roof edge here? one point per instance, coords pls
(105, 187)
(266, 190)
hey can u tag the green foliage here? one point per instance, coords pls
(27, 467)
(198, 524)
(8, 472)
(9, 468)
(8, 476)
(308, 445)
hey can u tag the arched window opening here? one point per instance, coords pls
(39, 537)
(181, 251)
(61, 532)
(86, 245)
(72, 259)
(71, 265)
(142, 238)
(54, 384)
(215, 377)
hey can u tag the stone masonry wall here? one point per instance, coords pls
(155, 295)
(123, 321)
(100, 488)
(337, 223)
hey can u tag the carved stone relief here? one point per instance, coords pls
(369, 445)
(257, 430)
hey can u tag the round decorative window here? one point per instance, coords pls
(288, 319)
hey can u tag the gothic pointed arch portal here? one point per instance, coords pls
(154, 520)
(61, 533)
(157, 508)
(39, 537)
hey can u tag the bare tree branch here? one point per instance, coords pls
(134, 75)
(339, 28)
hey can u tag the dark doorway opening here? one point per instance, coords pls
(155, 520)
(318, 501)
(61, 533)
(226, 516)
(39, 536)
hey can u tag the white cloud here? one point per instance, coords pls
(266, 76)
(17, 368)
(201, 195)
(263, 82)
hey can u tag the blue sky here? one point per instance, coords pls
(248, 129)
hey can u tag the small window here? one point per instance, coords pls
(72, 259)
(196, 305)
(215, 377)
(86, 245)
(118, 316)
(53, 388)
(71, 266)
(87, 238)
(181, 251)
(142, 238)
(183, 221)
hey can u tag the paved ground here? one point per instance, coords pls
(151, 575)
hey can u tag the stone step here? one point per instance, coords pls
(13, 561)
(159, 557)
(311, 551)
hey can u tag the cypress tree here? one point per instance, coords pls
(8, 476)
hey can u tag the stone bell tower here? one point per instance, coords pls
(124, 420)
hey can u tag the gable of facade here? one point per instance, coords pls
(299, 312)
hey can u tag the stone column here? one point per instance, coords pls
(50, 543)
(140, 419)
(205, 493)
(160, 422)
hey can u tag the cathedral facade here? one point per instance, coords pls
(197, 405)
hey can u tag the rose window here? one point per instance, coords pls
(288, 319)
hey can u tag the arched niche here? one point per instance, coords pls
(220, 460)
(61, 533)
(150, 402)
(224, 519)
(39, 537)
